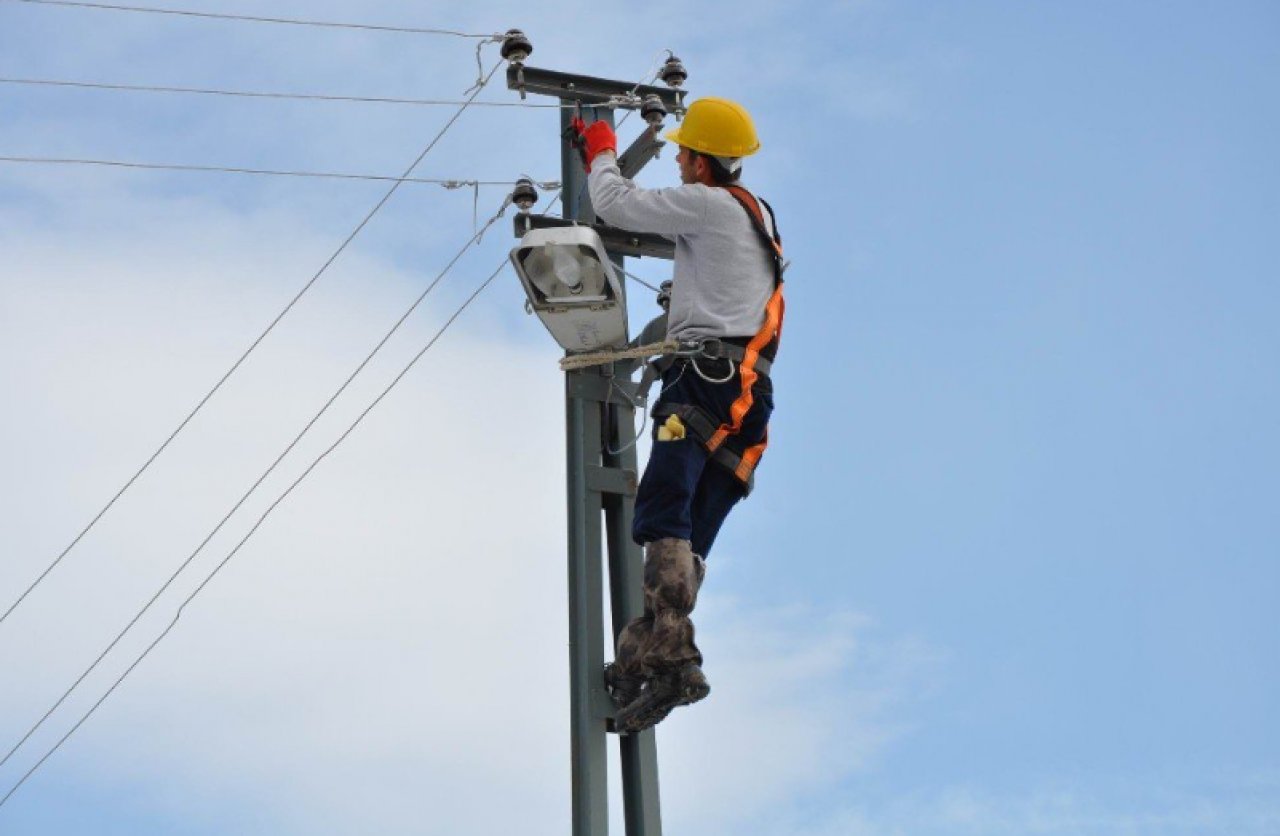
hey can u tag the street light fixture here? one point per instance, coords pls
(572, 287)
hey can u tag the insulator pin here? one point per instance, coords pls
(653, 110)
(673, 73)
(516, 47)
(524, 195)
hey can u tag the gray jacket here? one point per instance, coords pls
(723, 275)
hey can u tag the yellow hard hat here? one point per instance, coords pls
(717, 127)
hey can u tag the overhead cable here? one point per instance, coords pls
(292, 302)
(253, 94)
(475, 238)
(268, 172)
(255, 19)
(341, 438)
(652, 75)
(636, 278)
(656, 71)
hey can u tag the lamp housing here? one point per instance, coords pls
(572, 286)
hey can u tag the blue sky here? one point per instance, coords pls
(1012, 563)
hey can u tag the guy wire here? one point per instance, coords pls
(254, 19)
(475, 237)
(394, 382)
(262, 94)
(306, 287)
(269, 172)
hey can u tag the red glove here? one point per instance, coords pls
(597, 137)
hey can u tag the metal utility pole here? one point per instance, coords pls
(599, 420)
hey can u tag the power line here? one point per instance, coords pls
(474, 239)
(395, 381)
(636, 278)
(306, 287)
(657, 70)
(255, 19)
(448, 184)
(252, 94)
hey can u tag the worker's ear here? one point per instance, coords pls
(702, 168)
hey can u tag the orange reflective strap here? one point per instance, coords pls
(750, 459)
(771, 330)
(782, 311)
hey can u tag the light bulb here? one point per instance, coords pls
(566, 267)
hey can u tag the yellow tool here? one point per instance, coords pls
(672, 430)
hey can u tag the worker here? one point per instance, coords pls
(711, 418)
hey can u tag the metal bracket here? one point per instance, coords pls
(588, 89)
(592, 387)
(602, 706)
(645, 148)
(619, 241)
(622, 481)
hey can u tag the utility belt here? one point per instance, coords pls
(699, 424)
(732, 349)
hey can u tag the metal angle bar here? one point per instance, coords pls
(586, 621)
(620, 241)
(640, 152)
(612, 480)
(588, 89)
(640, 792)
(592, 387)
(576, 198)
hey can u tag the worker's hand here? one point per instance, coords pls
(600, 138)
(595, 138)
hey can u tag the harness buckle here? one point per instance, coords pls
(711, 348)
(689, 348)
(707, 348)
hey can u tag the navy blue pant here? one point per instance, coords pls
(683, 493)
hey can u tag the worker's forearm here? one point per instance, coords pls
(621, 203)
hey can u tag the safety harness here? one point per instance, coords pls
(753, 359)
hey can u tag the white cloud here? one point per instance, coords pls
(390, 647)
(804, 700)
(1139, 805)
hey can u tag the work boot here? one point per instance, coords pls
(672, 577)
(623, 688)
(683, 686)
